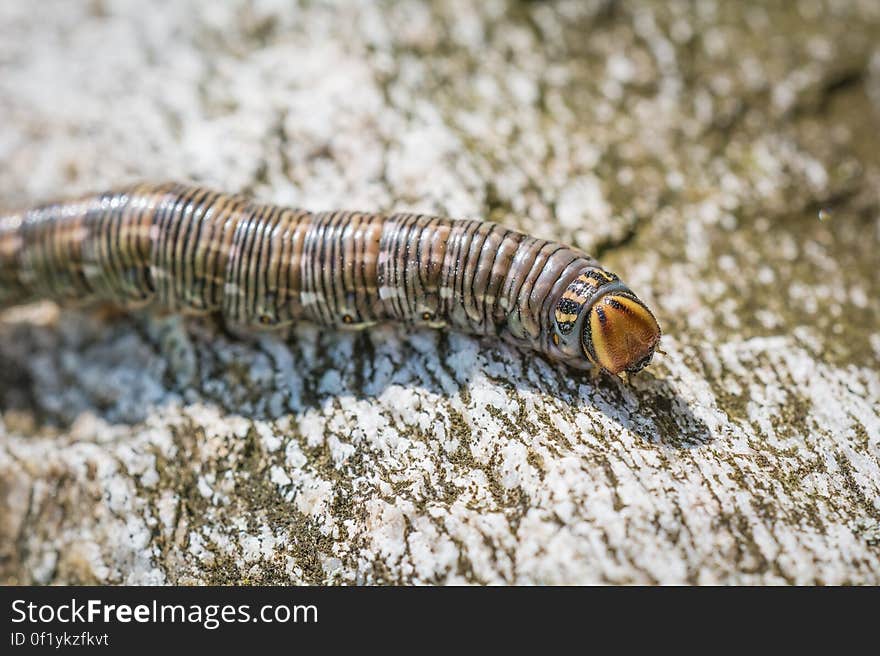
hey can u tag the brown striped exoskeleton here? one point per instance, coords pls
(192, 249)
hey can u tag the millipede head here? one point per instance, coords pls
(620, 333)
(603, 321)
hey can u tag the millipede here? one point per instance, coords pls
(187, 248)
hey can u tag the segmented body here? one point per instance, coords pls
(193, 249)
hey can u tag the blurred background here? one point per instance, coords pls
(722, 157)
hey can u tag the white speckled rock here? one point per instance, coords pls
(691, 147)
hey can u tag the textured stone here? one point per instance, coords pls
(722, 158)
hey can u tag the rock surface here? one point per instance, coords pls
(722, 158)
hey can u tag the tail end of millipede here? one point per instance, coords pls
(12, 291)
